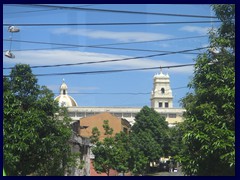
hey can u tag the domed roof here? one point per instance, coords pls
(64, 99)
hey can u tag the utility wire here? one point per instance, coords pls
(117, 11)
(110, 71)
(115, 60)
(22, 12)
(66, 47)
(158, 40)
(103, 45)
(128, 49)
(123, 93)
(107, 24)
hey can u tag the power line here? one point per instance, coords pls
(145, 50)
(103, 45)
(169, 39)
(122, 93)
(117, 11)
(110, 71)
(128, 49)
(115, 60)
(22, 12)
(107, 24)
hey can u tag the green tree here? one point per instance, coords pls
(35, 142)
(121, 152)
(150, 134)
(210, 117)
(138, 162)
(104, 151)
(175, 140)
(95, 135)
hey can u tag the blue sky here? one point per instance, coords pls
(124, 82)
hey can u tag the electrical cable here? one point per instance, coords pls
(117, 11)
(103, 45)
(123, 93)
(158, 40)
(114, 60)
(22, 12)
(107, 24)
(109, 71)
(128, 49)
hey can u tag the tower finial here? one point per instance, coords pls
(63, 80)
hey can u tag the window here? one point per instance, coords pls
(172, 115)
(71, 114)
(118, 114)
(162, 90)
(126, 114)
(166, 104)
(160, 104)
(89, 113)
(80, 114)
(64, 92)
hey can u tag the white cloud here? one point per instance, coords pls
(117, 36)
(51, 57)
(197, 29)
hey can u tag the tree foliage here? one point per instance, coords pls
(150, 134)
(34, 141)
(95, 135)
(175, 140)
(210, 117)
(147, 142)
(103, 151)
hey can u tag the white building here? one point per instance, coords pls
(161, 101)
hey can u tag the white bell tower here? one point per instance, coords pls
(161, 96)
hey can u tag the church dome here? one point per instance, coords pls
(64, 99)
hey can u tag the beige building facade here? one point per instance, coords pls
(161, 101)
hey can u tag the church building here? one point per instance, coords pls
(161, 101)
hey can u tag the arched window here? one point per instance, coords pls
(64, 92)
(162, 90)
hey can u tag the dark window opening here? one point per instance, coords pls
(160, 104)
(166, 104)
(64, 92)
(162, 90)
(172, 115)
